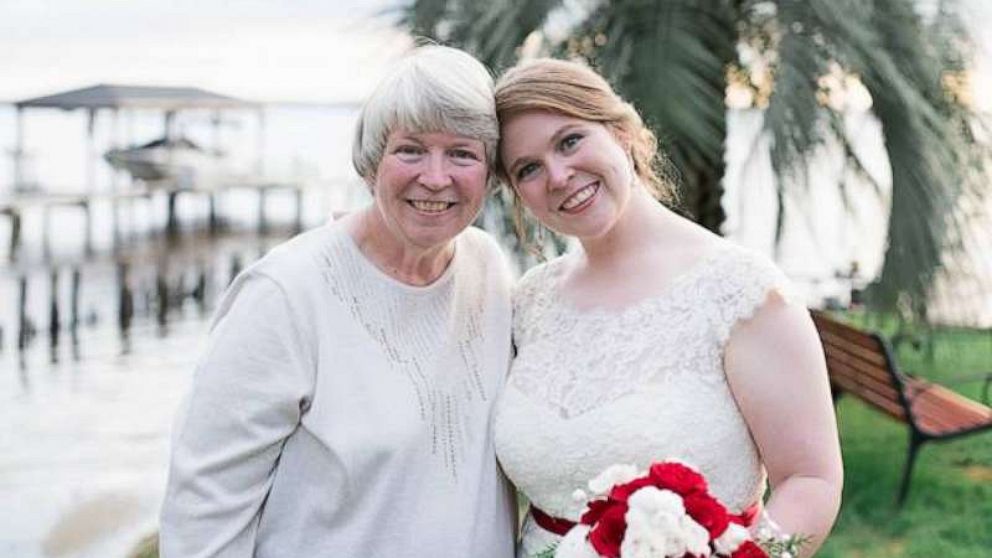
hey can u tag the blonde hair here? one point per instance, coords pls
(434, 88)
(575, 90)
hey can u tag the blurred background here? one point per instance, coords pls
(149, 151)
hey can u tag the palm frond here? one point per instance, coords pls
(422, 17)
(794, 113)
(671, 57)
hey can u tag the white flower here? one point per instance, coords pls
(652, 500)
(697, 538)
(646, 538)
(612, 476)
(658, 527)
(767, 528)
(732, 538)
(575, 545)
(641, 545)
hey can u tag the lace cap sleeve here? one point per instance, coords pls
(747, 278)
(531, 299)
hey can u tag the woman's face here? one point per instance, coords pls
(572, 174)
(429, 186)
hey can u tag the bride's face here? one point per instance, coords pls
(572, 174)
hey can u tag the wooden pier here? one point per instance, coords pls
(16, 205)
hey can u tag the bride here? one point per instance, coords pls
(657, 339)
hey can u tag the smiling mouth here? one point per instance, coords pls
(425, 206)
(578, 199)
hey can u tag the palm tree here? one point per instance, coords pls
(675, 58)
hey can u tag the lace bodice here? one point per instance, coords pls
(593, 388)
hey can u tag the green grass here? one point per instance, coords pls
(949, 509)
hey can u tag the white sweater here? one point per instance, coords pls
(338, 412)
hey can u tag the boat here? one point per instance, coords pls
(178, 160)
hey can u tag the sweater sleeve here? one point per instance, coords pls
(248, 394)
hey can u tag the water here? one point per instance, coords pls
(86, 414)
(86, 442)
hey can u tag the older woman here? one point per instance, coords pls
(656, 339)
(342, 407)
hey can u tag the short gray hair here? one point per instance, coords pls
(434, 88)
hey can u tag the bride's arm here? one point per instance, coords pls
(775, 367)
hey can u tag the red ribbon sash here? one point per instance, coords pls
(560, 526)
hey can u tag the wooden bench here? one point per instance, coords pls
(863, 364)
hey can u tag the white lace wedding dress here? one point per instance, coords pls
(593, 388)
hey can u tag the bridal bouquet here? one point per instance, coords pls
(666, 512)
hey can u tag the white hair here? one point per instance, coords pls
(433, 89)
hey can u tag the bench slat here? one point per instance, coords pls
(849, 380)
(880, 375)
(873, 354)
(887, 402)
(879, 379)
(845, 332)
(849, 385)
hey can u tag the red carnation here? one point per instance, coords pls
(608, 532)
(622, 492)
(748, 549)
(595, 510)
(678, 478)
(747, 517)
(708, 512)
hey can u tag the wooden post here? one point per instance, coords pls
(171, 222)
(15, 232)
(54, 324)
(88, 216)
(129, 141)
(114, 174)
(298, 223)
(212, 222)
(90, 151)
(23, 333)
(263, 225)
(74, 314)
(74, 300)
(125, 300)
(235, 267)
(162, 290)
(18, 154)
(200, 291)
(168, 125)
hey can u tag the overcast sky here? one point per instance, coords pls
(269, 50)
(273, 50)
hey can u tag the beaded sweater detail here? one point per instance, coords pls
(430, 335)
